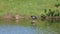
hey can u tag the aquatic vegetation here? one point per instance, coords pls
(57, 5)
(52, 13)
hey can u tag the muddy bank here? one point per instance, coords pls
(56, 18)
(12, 17)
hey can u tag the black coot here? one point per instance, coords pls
(33, 17)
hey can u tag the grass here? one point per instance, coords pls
(26, 7)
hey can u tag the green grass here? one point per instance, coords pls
(26, 7)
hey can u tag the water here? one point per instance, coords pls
(22, 29)
(17, 30)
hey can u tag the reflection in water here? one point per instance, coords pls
(25, 30)
(17, 21)
(52, 28)
(53, 21)
(17, 30)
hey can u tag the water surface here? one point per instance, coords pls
(43, 28)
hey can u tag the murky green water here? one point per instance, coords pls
(25, 27)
